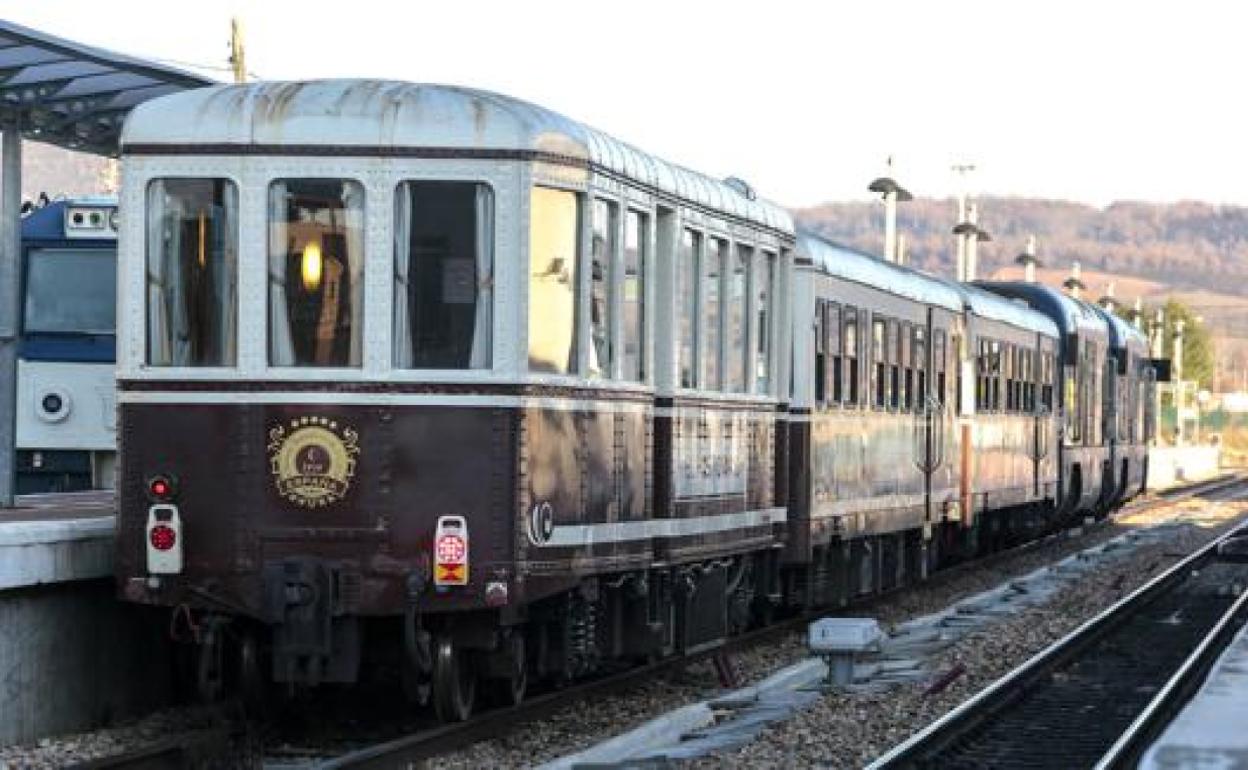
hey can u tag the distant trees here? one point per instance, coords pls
(1186, 244)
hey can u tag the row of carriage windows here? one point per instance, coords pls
(897, 355)
(723, 292)
(443, 282)
(442, 273)
(1010, 378)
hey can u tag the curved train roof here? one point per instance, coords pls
(1123, 334)
(852, 265)
(1070, 315)
(386, 114)
(985, 304)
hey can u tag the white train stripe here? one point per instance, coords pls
(566, 535)
(325, 398)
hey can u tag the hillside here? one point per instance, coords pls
(1186, 246)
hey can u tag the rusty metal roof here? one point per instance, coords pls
(385, 115)
(75, 96)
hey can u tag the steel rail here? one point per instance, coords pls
(980, 709)
(442, 739)
(1177, 691)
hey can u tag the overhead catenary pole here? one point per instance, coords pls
(10, 300)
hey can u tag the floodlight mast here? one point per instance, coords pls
(893, 193)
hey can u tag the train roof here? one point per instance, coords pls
(985, 304)
(47, 223)
(380, 116)
(1070, 315)
(1123, 334)
(853, 265)
(850, 264)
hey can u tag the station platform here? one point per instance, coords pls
(1209, 731)
(72, 657)
(56, 538)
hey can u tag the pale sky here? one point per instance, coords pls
(1093, 101)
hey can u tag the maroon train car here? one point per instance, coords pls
(428, 382)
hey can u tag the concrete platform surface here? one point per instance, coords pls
(56, 538)
(1210, 731)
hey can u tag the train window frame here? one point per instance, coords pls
(232, 355)
(570, 271)
(918, 366)
(819, 323)
(711, 350)
(879, 351)
(736, 318)
(940, 365)
(852, 339)
(601, 273)
(763, 324)
(688, 273)
(482, 354)
(279, 341)
(640, 296)
(836, 385)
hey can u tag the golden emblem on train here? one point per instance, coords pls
(313, 460)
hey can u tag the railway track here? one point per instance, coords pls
(427, 742)
(1097, 697)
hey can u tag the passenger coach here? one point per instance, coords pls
(431, 378)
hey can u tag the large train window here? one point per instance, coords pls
(71, 291)
(940, 364)
(192, 272)
(602, 255)
(687, 297)
(712, 311)
(443, 275)
(554, 225)
(633, 296)
(851, 356)
(765, 282)
(735, 310)
(316, 272)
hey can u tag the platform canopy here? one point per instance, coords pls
(75, 96)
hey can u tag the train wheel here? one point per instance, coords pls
(454, 682)
(510, 690)
(417, 684)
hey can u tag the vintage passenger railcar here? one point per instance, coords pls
(431, 382)
(1085, 477)
(920, 423)
(437, 356)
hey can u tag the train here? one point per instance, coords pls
(66, 411)
(434, 386)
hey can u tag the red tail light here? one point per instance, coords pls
(163, 537)
(161, 488)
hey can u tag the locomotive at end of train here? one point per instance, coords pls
(430, 385)
(66, 407)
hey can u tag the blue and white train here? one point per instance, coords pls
(66, 407)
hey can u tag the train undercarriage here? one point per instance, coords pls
(456, 663)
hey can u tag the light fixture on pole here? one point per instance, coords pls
(893, 193)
